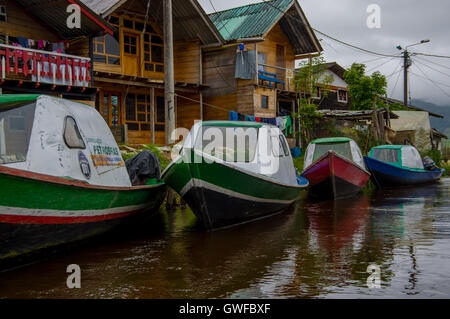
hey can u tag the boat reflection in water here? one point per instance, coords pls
(319, 249)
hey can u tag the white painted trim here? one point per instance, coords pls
(18, 211)
(194, 182)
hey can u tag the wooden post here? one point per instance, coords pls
(153, 103)
(169, 82)
(375, 118)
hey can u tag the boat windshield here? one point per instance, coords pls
(342, 149)
(231, 144)
(16, 122)
(386, 155)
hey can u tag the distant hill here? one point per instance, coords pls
(442, 125)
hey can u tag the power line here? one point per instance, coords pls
(432, 55)
(395, 70)
(374, 68)
(223, 23)
(434, 83)
(432, 62)
(422, 63)
(328, 36)
(421, 76)
(396, 82)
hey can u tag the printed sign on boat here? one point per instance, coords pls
(105, 157)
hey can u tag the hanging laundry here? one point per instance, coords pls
(241, 117)
(233, 116)
(23, 42)
(288, 125)
(257, 119)
(250, 118)
(278, 121)
(31, 43)
(41, 44)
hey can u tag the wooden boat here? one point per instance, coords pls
(335, 168)
(62, 178)
(399, 165)
(226, 182)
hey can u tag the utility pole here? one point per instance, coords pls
(405, 77)
(406, 65)
(169, 84)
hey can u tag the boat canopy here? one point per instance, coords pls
(249, 146)
(58, 137)
(343, 146)
(398, 155)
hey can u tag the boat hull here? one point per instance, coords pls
(334, 177)
(386, 175)
(40, 212)
(221, 195)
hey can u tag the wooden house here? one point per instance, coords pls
(41, 53)
(252, 73)
(337, 97)
(129, 66)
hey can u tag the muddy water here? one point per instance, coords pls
(317, 249)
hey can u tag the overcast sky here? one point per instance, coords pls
(403, 22)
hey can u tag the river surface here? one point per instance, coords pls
(316, 250)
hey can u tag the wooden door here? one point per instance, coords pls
(131, 54)
(281, 62)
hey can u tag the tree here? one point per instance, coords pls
(364, 89)
(311, 75)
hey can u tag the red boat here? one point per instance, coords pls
(335, 168)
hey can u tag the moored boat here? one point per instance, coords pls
(399, 165)
(227, 180)
(334, 168)
(62, 177)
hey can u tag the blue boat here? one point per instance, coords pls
(399, 165)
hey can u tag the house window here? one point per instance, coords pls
(153, 53)
(264, 101)
(138, 112)
(130, 44)
(107, 50)
(262, 58)
(160, 114)
(3, 17)
(317, 94)
(342, 96)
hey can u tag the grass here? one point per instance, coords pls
(164, 159)
(445, 166)
(298, 163)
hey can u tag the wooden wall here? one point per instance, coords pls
(187, 61)
(271, 111)
(227, 103)
(277, 37)
(187, 111)
(219, 70)
(21, 24)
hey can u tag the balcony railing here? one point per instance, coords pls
(44, 66)
(275, 76)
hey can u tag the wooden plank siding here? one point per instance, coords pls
(21, 24)
(244, 96)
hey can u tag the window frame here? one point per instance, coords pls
(78, 133)
(265, 98)
(338, 96)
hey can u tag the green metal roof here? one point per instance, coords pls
(249, 21)
(233, 123)
(331, 140)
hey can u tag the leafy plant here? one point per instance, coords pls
(312, 75)
(364, 88)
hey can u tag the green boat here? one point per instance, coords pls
(62, 178)
(233, 172)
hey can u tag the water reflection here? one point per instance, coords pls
(318, 249)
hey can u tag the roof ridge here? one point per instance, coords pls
(243, 6)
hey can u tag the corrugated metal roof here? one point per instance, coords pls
(249, 21)
(55, 16)
(255, 20)
(190, 20)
